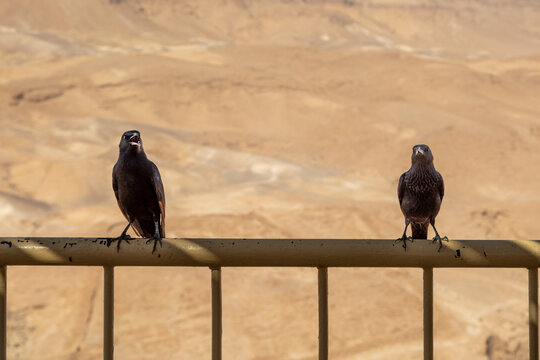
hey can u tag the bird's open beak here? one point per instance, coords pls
(134, 139)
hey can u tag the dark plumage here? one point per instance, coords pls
(420, 193)
(139, 191)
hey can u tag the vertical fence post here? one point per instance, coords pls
(108, 313)
(428, 313)
(323, 312)
(3, 312)
(216, 313)
(533, 314)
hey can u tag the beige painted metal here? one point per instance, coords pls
(323, 312)
(428, 313)
(533, 314)
(108, 313)
(216, 314)
(272, 252)
(3, 312)
(321, 253)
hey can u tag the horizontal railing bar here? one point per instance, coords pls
(271, 252)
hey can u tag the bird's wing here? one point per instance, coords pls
(440, 185)
(401, 187)
(115, 183)
(160, 195)
(115, 189)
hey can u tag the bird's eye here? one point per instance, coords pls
(426, 149)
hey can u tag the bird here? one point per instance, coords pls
(139, 191)
(420, 193)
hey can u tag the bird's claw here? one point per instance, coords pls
(156, 240)
(126, 238)
(404, 239)
(440, 239)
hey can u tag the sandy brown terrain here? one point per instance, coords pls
(270, 119)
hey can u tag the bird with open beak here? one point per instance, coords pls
(139, 191)
(420, 193)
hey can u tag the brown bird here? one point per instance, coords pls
(139, 191)
(420, 193)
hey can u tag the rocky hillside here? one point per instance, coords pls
(270, 119)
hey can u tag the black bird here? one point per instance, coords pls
(139, 191)
(420, 193)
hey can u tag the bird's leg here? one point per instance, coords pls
(123, 236)
(156, 237)
(437, 236)
(404, 237)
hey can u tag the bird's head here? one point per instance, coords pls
(421, 154)
(131, 141)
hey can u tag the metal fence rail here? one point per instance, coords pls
(320, 253)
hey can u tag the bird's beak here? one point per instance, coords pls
(418, 151)
(134, 139)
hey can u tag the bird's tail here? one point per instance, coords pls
(419, 231)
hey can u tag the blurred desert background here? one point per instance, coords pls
(270, 119)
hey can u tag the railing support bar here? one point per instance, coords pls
(108, 313)
(533, 314)
(428, 313)
(323, 312)
(216, 313)
(3, 312)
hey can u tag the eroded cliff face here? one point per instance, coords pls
(269, 119)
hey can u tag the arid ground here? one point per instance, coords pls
(270, 119)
